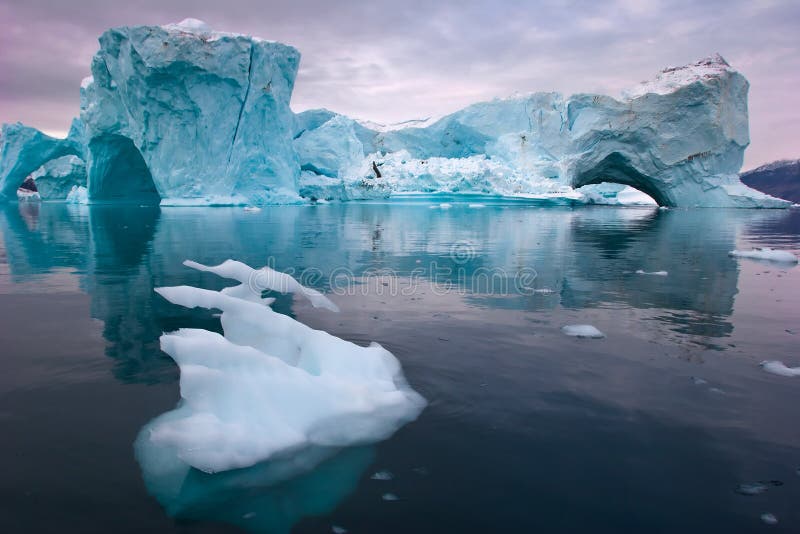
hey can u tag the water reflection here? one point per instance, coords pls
(587, 257)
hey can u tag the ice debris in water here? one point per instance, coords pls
(699, 381)
(270, 387)
(769, 519)
(477, 205)
(382, 475)
(390, 497)
(338, 530)
(655, 273)
(252, 209)
(756, 488)
(779, 368)
(254, 281)
(767, 254)
(582, 330)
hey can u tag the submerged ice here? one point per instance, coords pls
(186, 115)
(270, 388)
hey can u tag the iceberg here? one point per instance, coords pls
(270, 388)
(23, 150)
(183, 112)
(679, 139)
(187, 115)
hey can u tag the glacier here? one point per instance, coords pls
(270, 388)
(182, 114)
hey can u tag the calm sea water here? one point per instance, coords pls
(648, 430)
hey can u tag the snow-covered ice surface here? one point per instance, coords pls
(582, 330)
(779, 368)
(270, 388)
(766, 254)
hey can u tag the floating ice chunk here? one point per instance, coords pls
(254, 281)
(543, 291)
(698, 381)
(767, 254)
(778, 368)
(655, 273)
(751, 488)
(78, 195)
(390, 497)
(769, 519)
(582, 330)
(382, 475)
(252, 209)
(445, 205)
(338, 530)
(477, 205)
(271, 387)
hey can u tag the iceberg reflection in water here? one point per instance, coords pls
(513, 401)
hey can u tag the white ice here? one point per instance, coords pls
(582, 330)
(655, 273)
(254, 281)
(779, 368)
(768, 254)
(270, 388)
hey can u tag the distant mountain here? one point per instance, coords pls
(780, 179)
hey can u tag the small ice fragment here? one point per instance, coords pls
(751, 488)
(778, 368)
(445, 205)
(423, 471)
(716, 390)
(698, 381)
(338, 530)
(769, 519)
(252, 209)
(543, 291)
(249, 515)
(382, 475)
(390, 497)
(768, 254)
(582, 330)
(654, 273)
(477, 205)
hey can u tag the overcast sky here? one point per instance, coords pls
(394, 60)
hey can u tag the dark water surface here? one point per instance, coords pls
(648, 430)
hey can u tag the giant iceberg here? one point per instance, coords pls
(192, 114)
(183, 114)
(679, 138)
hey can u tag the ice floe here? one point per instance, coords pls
(582, 330)
(654, 273)
(766, 254)
(270, 387)
(779, 368)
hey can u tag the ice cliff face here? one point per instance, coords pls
(199, 115)
(680, 139)
(185, 115)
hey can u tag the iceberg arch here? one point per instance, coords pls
(119, 171)
(22, 151)
(617, 168)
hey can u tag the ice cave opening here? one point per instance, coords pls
(617, 169)
(118, 171)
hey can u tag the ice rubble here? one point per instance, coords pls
(270, 387)
(766, 254)
(194, 116)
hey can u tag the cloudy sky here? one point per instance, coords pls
(394, 60)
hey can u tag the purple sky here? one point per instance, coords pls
(390, 61)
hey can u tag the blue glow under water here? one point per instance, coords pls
(650, 429)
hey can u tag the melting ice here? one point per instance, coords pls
(270, 388)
